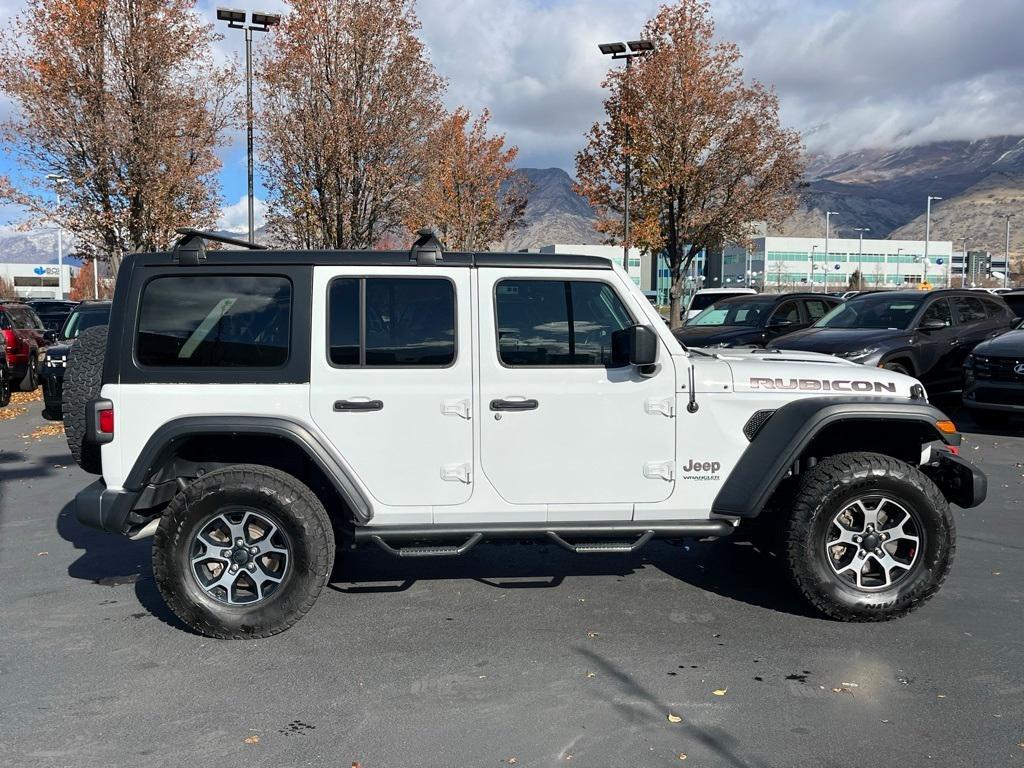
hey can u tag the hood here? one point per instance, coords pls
(1010, 344)
(809, 373)
(58, 349)
(710, 335)
(833, 340)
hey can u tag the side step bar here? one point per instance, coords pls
(611, 537)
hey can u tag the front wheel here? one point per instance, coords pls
(869, 538)
(31, 378)
(243, 552)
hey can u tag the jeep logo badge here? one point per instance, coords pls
(695, 469)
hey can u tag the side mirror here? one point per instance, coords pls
(636, 345)
(932, 325)
(50, 336)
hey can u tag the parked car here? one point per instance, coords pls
(705, 297)
(86, 315)
(994, 377)
(924, 334)
(247, 407)
(52, 312)
(753, 321)
(1015, 301)
(5, 378)
(24, 338)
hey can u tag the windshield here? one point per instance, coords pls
(734, 312)
(894, 312)
(705, 300)
(79, 321)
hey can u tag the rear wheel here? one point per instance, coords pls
(83, 378)
(869, 538)
(243, 552)
(31, 379)
(5, 388)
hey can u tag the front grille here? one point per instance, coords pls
(991, 396)
(997, 368)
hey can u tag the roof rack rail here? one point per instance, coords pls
(427, 249)
(190, 249)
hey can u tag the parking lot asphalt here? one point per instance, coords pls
(512, 655)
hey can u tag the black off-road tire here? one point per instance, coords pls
(30, 380)
(82, 381)
(823, 492)
(5, 389)
(267, 491)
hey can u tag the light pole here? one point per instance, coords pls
(261, 22)
(810, 271)
(57, 180)
(928, 232)
(1006, 266)
(963, 268)
(619, 51)
(899, 255)
(860, 256)
(828, 215)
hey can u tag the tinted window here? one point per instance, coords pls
(5, 321)
(237, 320)
(866, 311)
(787, 313)
(994, 309)
(938, 310)
(555, 322)
(969, 309)
(736, 311)
(84, 318)
(407, 321)
(817, 309)
(705, 300)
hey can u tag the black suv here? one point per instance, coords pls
(924, 334)
(85, 315)
(753, 321)
(994, 377)
(52, 312)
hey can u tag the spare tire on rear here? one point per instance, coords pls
(82, 380)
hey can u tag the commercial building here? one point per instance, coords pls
(804, 263)
(38, 281)
(639, 263)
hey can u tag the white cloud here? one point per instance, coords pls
(235, 217)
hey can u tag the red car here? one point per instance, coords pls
(23, 337)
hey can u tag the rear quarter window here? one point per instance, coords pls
(239, 321)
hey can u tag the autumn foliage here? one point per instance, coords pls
(708, 153)
(469, 191)
(123, 100)
(349, 98)
(82, 285)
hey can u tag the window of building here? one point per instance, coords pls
(391, 321)
(215, 320)
(557, 322)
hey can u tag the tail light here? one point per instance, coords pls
(99, 422)
(105, 421)
(10, 340)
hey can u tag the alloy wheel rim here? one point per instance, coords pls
(240, 556)
(873, 543)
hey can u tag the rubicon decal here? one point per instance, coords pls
(695, 469)
(823, 385)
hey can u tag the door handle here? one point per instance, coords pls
(358, 405)
(954, 342)
(514, 405)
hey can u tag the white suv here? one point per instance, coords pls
(251, 407)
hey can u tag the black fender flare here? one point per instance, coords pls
(162, 444)
(906, 353)
(789, 431)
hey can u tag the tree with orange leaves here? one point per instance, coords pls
(709, 155)
(469, 191)
(349, 98)
(122, 100)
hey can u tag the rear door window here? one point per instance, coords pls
(817, 309)
(938, 310)
(969, 309)
(215, 321)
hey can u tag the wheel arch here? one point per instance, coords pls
(194, 445)
(811, 428)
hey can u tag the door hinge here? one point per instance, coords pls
(666, 407)
(457, 473)
(460, 408)
(660, 470)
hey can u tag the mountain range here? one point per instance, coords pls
(981, 182)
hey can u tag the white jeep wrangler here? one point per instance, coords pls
(251, 407)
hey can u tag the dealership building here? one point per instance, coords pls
(38, 281)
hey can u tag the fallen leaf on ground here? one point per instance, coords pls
(17, 398)
(6, 414)
(720, 691)
(591, 674)
(850, 685)
(674, 718)
(941, 696)
(44, 554)
(511, 761)
(681, 756)
(254, 739)
(47, 430)
(844, 689)
(997, 573)
(592, 635)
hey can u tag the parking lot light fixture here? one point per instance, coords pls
(627, 51)
(57, 180)
(261, 22)
(860, 256)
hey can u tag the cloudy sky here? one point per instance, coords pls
(850, 74)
